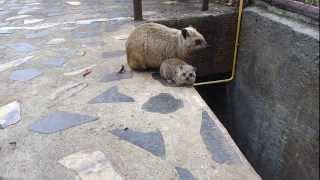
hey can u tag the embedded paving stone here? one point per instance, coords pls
(110, 96)
(116, 76)
(14, 63)
(91, 166)
(9, 114)
(22, 47)
(162, 103)
(37, 34)
(57, 12)
(5, 32)
(58, 121)
(150, 141)
(215, 142)
(112, 54)
(57, 62)
(25, 74)
(84, 34)
(93, 44)
(185, 174)
(56, 41)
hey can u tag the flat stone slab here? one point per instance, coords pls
(38, 34)
(58, 121)
(25, 74)
(185, 174)
(112, 54)
(22, 47)
(91, 165)
(55, 62)
(221, 152)
(112, 95)
(10, 114)
(150, 141)
(115, 76)
(162, 103)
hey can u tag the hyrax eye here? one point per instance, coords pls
(184, 74)
(198, 41)
(190, 75)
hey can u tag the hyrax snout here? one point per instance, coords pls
(151, 43)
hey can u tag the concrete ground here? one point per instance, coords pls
(145, 130)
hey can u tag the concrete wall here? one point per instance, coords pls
(274, 101)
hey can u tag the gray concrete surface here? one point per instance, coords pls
(91, 34)
(275, 98)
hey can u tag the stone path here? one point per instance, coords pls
(79, 118)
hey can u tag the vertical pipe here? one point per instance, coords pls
(137, 10)
(235, 54)
(205, 5)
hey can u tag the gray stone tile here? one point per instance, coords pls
(116, 76)
(58, 121)
(112, 54)
(38, 34)
(56, 62)
(22, 47)
(10, 114)
(25, 74)
(84, 34)
(111, 96)
(162, 103)
(150, 141)
(216, 143)
(185, 174)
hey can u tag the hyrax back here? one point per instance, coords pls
(177, 71)
(151, 43)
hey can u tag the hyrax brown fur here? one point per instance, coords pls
(151, 43)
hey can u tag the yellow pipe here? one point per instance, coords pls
(235, 53)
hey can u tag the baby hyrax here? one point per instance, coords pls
(151, 43)
(178, 72)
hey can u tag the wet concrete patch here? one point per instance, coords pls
(115, 76)
(163, 103)
(112, 54)
(22, 47)
(150, 141)
(213, 138)
(58, 121)
(112, 95)
(25, 74)
(56, 62)
(185, 174)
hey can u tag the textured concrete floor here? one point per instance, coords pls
(146, 130)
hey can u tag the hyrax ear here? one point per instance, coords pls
(184, 33)
(181, 67)
(195, 69)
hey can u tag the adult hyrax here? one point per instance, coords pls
(151, 43)
(177, 71)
